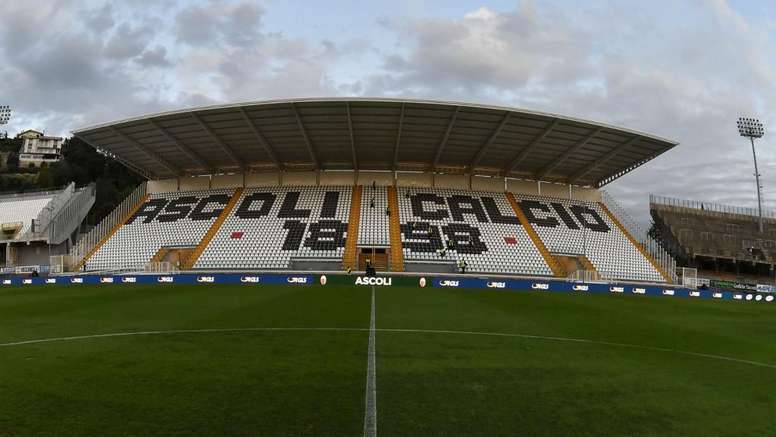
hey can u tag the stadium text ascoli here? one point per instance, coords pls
(354, 266)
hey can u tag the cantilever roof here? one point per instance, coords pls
(375, 134)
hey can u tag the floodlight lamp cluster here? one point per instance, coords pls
(750, 127)
(5, 114)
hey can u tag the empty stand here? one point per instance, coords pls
(164, 220)
(21, 210)
(273, 226)
(351, 249)
(374, 229)
(394, 223)
(445, 225)
(577, 227)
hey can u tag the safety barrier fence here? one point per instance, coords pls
(90, 239)
(663, 259)
(707, 207)
(58, 220)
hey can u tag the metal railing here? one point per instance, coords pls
(90, 239)
(63, 214)
(72, 214)
(706, 207)
(42, 221)
(661, 256)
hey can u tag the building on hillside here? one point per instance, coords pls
(39, 148)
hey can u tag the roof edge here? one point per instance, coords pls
(190, 109)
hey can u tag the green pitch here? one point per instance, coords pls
(200, 360)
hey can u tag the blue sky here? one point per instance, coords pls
(680, 69)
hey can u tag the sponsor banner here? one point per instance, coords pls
(472, 282)
(381, 281)
(216, 278)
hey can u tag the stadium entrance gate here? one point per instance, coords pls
(377, 255)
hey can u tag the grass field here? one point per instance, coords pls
(448, 362)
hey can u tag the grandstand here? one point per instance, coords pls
(419, 185)
(720, 240)
(37, 225)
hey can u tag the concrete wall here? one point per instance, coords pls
(162, 186)
(195, 183)
(454, 181)
(417, 180)
(262, 179)
(227, 181)
(488, 184)
(381, 178)
(292, 178)
(339, 178)
(37, 253)
(554, 190)
(523, 187)
(586, 194)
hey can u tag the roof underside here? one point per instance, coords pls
(375, 134)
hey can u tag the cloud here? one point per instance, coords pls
(686, 75)
(155, 57)
(237, 24)
(685, 72)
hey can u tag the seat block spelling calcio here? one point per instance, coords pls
(478, 227)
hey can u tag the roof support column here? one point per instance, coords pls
(398, 139)
(303, 132)
(352, 136)
(530, 147)
(261, 139)
(480, 153)
(443, 143)
(225, 147)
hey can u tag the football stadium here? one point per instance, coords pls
(355, 266)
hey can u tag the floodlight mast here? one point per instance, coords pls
(5, 114)
(753, 128)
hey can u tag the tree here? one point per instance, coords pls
(44, 178)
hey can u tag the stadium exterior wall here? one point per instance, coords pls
(228, 181)
(337, 178)
(522, 186)
(162, 186)
(414, 180)
(494, 184)
(262, 179)
(195, 183)
(381, 178)
(452, 181)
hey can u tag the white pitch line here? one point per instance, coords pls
(169, 332)
(370, 411)
(395, 330)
